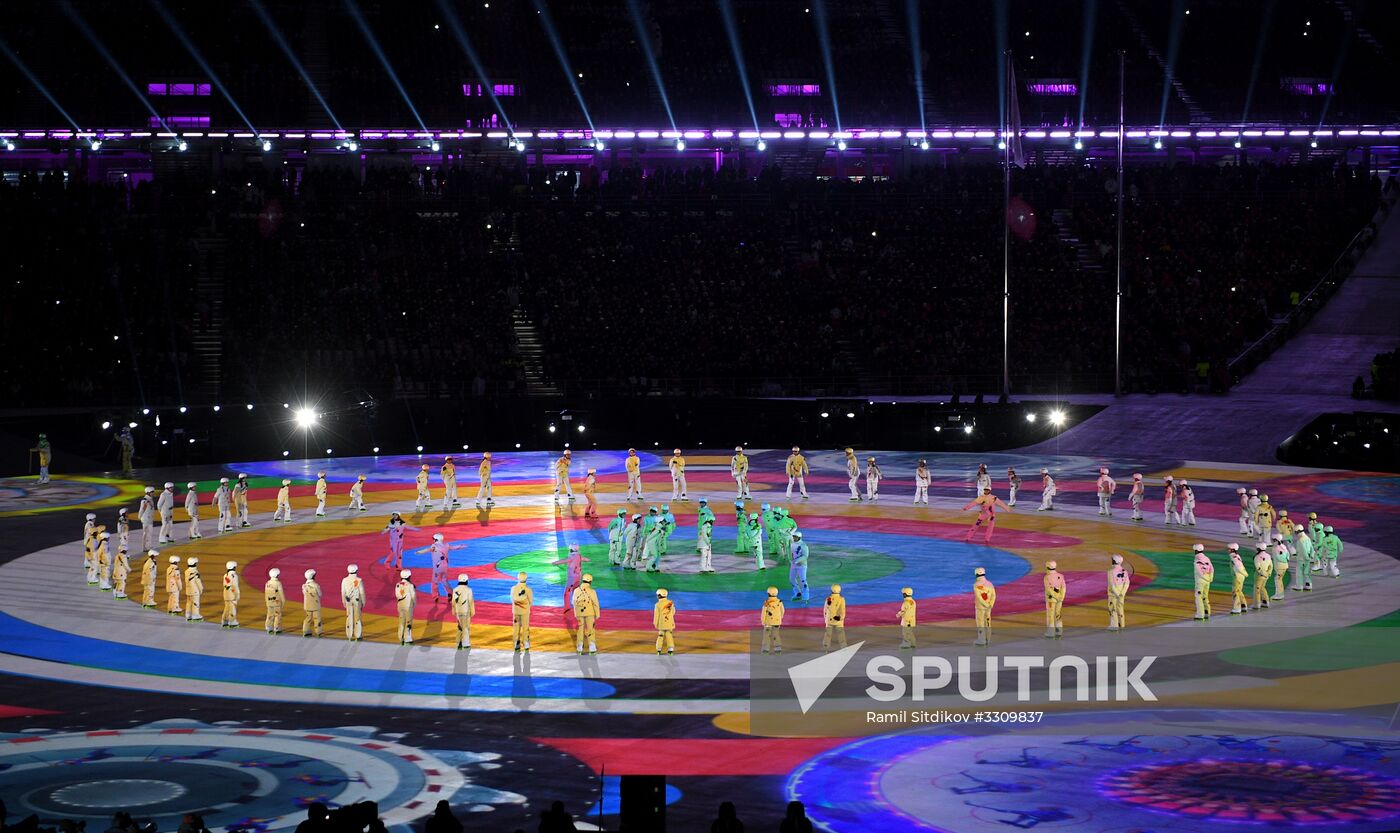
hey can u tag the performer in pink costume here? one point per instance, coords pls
(987, 504)
(395, 530)
(575, 562)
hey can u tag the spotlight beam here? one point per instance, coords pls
(1260, 43)
(465, 44)
(1348, 35)
(383, 59)
(174, 26)
(1173, 50)
(111, 60)
(291, 56)
(916, 50)
(726, 11)
(548, 23)
(38, 85)
(824, 39)
(1086, 56)
(644, 39)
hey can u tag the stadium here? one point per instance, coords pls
(735, 415)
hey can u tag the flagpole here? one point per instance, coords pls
(1007, 141)
(1118, 290)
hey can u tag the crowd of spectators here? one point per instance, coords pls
(407, 281)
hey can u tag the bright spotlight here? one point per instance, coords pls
(306, 417)
(95, 144)
(1030, 417)
(420, 449)
(145, 412)
(552, 429)
(266, 145)
(131, 425)
(580, 428)
(183, 409)
(436, 147)
(599, 146)
(286, 453)
(680, 144)
(1001, 144)
(923, 144)
(1238, 144)
(517, 445)
(1313, 143)
(328, 451)
(1057, 417)
(938, 429)
(182, 147)
(1078, 144)
(106, 425)
(761, 145)
(850, 415)
(967, 429)
(250, 406)
(841, 144)
(9, 145)
(216, 409)
(1157, 144)
(825, 414)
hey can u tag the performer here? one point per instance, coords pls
(1118, 584)
(128, 446)
(1244, 510)
(616, 528)
(707, 532)
(425, 494)
(633, 541)
(1136, 495)
(1286, 527)
(797, 469)
(395, 529)
(986, 514)
(741, 529)
(223, 500)
(634, 475)
(677, 466)
(146, 513)
(440, 567)
(703, 513)
(45, 452)
(852, 474)
(104, 563)
(908, 618)
(148, 580)
(1239, 574)
(405, 598)
(771, 617)
(240, 501)
(1014, 481)
(165, 505)
(1205, 573)
(89, 542)
(834, 616)
(561, 476)
(522, 598)
(1253, 507)
(755, 539)
(586, 613)
(1105, 486)
(590, 493)
(357, 494)
(174, 581)
(320, 494)
(123, 529)
(783, 530)
(463, 608)
(448, 472)
(1263, 570)
(984, 598)
(1188, 503)
(575, 561)
(311, 606)
(922, 479)
(663, 618)
(1330, 548)
(1264, 519)
(739, 470)
(232, 592)
(1306, 562)
(194, 590)
(1281, 556)
(1169, 512)
(984, 481)
(352, 594)
(1047, 491)
(274, 597)
(483, 471)
(872, 480)
(797, 571)
(1054, 601)
(284, 503)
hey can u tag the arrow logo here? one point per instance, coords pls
(811, 678)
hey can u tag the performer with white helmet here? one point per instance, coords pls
(1054, 583)
(872, 479)
(396, 529)
(463, 609)
(275, 597)
(1239, 574)
(663, 618)
(797, 469)
(1264, 519)
(424, 501)
(1136, 495)
(405, 597)
(89, 539)
(1330, 548)
(984, 598)
(102, 555)
(357, 495)
(284, 502)
(852, 474)
(797, 570)
(483, 471)
(1253, 507)
(1205, 574)
(311, 606)
(1105, 486)
(1119, 581)
(174, 583)
(1013, 480)
(984, 480)
(590, 493)
(449, 485)
(1188, 503)
(240, 501)
(1047, 491)
(633, 464)
(1305, 563)
(440, 567)
(739, 470)
(922, 479)
(616, 528)
(706, 543)
(223, 501)
(148, 579)
(1244, 509)
(146, 513)
(1281, 554)
(677, 467)
(1286, 527)
(1263, 571)
(165, 505)
(232, 593)
(633, 541)
(1169, 512)
(352, 595)
(522, 599)
(586, 612)
(194, 590)
(561, 476)
(770, 616)
(320, 494)
(123, 530)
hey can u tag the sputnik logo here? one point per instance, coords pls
(811, 678)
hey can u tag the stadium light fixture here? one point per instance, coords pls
(680, 144)
(761, 145)
(580, 430)
(266, 145)
(306, 417)
(106, 424)
(375, 449)
(1057, 418)
(967, 429)
(1030, 417)
(182, 146)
